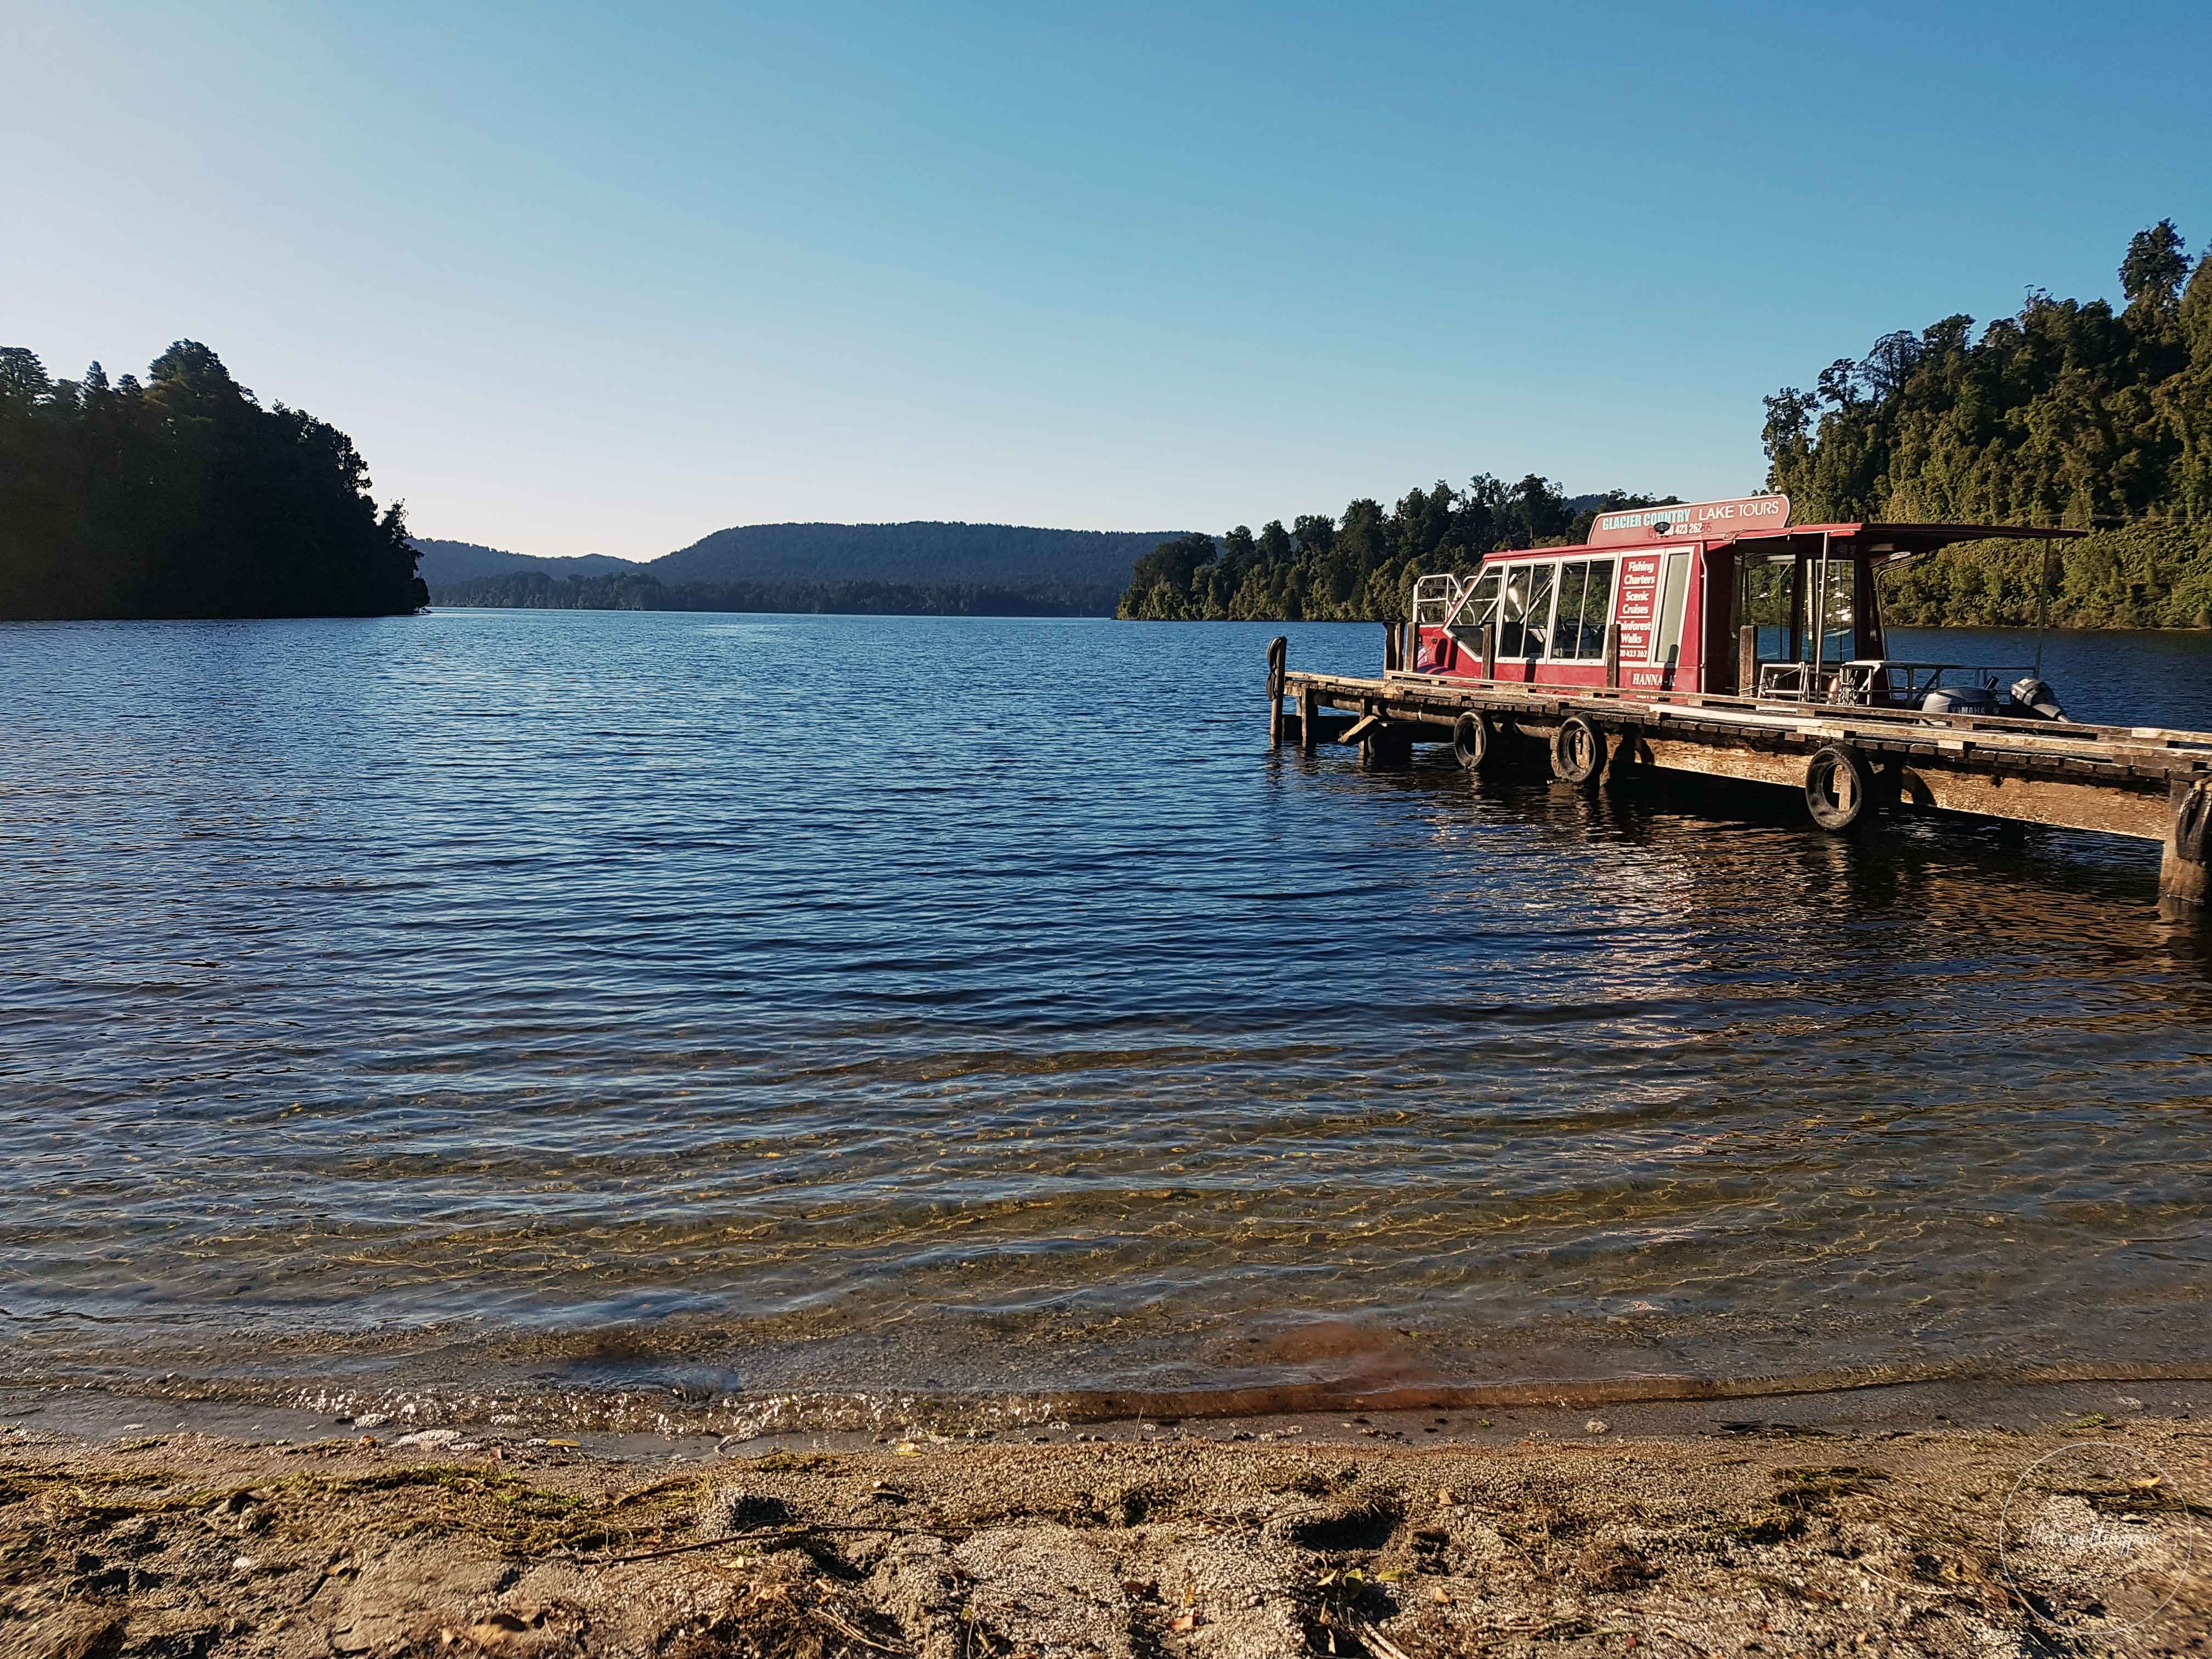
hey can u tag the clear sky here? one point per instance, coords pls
(605, 279)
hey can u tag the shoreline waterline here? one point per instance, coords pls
(833, 1416)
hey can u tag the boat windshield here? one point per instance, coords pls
(1799, 617)
(1525, 610)
(1478, 612)
(1837, 625)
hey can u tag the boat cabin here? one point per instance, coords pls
(1716, 596)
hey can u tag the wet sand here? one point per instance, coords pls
(1886, 1525)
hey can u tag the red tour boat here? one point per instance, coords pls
(1725, 597)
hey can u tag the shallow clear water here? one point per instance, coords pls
(593, 1003)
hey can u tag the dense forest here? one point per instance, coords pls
(182, 497)
(1361, 567)
(2069, 413)
(531, 590)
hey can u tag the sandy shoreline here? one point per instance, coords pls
(1383, 1537)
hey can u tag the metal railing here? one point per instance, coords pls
(1878, 683)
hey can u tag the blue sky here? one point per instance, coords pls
(603, 280)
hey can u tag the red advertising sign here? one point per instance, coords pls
(1638, 610)
(1688, 521)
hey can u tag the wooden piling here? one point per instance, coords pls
(1385, 746)
(1309, 708)
(1490, 651)
(2184, 877)
(1391, 640)
(1613, 656)
(1746, 661)
(1278, 654)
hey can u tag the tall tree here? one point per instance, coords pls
(2155, 266)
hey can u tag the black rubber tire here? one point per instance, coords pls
(1578, 751)
(1472, 740)
(1838, 788)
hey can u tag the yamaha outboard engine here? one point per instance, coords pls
(1960, 700)
(2035, 699)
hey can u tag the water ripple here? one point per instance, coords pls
(846, 1005)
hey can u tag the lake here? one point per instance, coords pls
(803, 1019)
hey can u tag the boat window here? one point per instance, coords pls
(1667, 644)
(1597, 606)
(1567, 620)
(1839, 623)
(1479, 612)
(1525, 610)
(1762, 600)
(1585, 607)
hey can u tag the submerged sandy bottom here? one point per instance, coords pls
(1828, 1530)
(557, 1002)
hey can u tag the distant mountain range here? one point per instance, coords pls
(928, 567)
(446, 563)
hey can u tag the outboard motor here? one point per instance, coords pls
(1960, 700)
(2033, 699)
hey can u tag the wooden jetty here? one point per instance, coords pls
(2146, 782)
(1641, 649)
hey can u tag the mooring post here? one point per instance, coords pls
(2182, 873)
(1308, 707)
(1613, 656)
(1391, 664)
(1747, 661)
(1490, 651)
(1278, 652)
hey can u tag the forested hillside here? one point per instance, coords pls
(2069, 413)
(638, 590)
(1362, 566)
(919, 554)
(445, 563)
(920, 568)
(182, 497)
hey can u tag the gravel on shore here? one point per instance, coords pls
(1771, 1541)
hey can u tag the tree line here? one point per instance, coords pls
(181, 495)
(2071, 413)
(1362, 566)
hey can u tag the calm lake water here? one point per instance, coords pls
(806, 1013)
